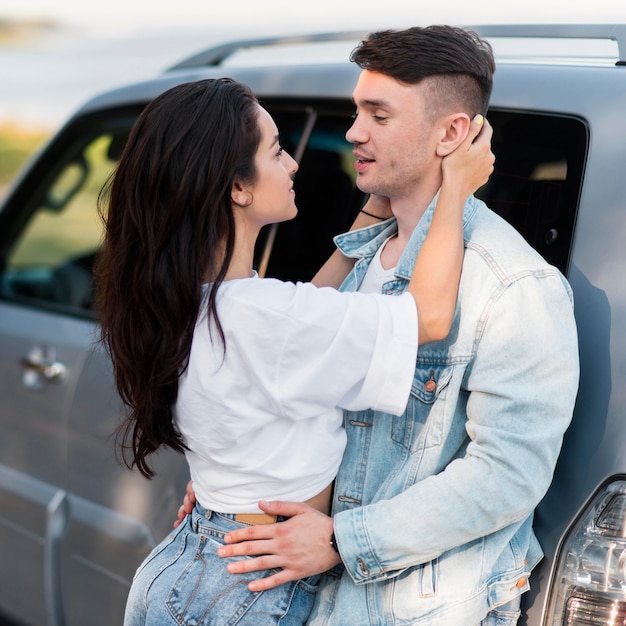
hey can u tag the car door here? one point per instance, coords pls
(41, 357)
(46, 333)
(74, 524)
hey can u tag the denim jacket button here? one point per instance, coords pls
(520, 583)
(363, 567)
(430, 385)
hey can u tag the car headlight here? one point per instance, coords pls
(588, 586)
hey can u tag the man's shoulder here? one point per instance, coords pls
(492, 239)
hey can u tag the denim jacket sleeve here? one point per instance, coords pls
(515, 399)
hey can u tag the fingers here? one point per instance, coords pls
(485, 134)
(479, 137)
(180, 515)
(298, 547)
(246, 541)
(191, 494)
(279, 578)
(260, 563)
(480, 130)
(189, 501)
(284, 509)
(476, 125)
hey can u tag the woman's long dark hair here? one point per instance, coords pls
(168, 221)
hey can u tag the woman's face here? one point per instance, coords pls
(272, 195)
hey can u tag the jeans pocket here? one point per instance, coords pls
(206, 593)
(159, 549)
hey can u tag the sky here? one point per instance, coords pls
(276, 16)
(101, 44)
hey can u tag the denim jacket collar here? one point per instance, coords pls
(364, 242)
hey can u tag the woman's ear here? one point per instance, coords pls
(454, 130)
(240, 194)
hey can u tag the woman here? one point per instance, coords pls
(245, 376)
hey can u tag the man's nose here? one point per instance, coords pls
(354, 134)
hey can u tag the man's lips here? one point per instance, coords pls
(362, 162)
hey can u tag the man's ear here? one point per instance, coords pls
(240, 194)
(453, 131)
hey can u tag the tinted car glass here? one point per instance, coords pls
(49, 260)
(538, 176)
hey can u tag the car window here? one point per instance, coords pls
(535, 186)
(325, 186)
(49, 263)
(537, 178)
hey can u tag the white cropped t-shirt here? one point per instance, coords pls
(263, 419)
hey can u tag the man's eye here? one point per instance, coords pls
(380, 118)
(280, 152)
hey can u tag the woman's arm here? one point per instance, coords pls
(435, 280)
(338, 266)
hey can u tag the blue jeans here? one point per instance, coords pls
(183, 581)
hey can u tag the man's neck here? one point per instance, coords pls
(408, 212)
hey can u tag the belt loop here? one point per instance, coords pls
(198, 514)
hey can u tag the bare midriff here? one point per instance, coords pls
(322, 500)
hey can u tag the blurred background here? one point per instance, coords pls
(55, 54)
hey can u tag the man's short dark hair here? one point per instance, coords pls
(460, 58)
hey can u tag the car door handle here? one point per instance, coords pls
(53, 371)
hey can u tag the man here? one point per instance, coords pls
(432, 511)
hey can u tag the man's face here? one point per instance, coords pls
(394, 137)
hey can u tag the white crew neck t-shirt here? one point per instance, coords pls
(376, 275)
(263, 420)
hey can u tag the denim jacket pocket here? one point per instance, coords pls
(512, 574)
(419, 427)
(415, 585)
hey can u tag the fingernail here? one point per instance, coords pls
(221, 552)
(480, 119)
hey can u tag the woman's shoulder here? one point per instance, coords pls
(256, 288)
(266, 294)
(272, 295)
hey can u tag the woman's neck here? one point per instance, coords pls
(241, 263)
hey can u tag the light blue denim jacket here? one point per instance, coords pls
(433, 509)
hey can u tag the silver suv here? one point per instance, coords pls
(74, 525)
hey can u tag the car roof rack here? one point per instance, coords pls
(614, 32)
(216, 55)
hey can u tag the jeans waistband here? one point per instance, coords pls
(235, 517)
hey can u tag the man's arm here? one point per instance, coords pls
(519, 401)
